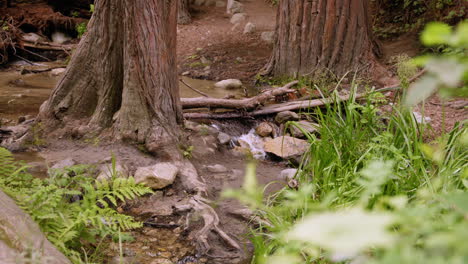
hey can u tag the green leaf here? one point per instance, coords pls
(421, 90)
(436, 33)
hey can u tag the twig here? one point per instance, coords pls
(194, 89)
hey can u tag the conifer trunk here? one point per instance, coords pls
(183, 15)
(122, 78)
(321, 35)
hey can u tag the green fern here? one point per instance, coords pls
(71, 206)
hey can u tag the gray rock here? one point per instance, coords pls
(229, 84)
(285, 116)
(286, 147)
(106, 171)
(268, 36)
(20, 235)
(64, 163)
(157, 176)
(235, 7)
(249, 28)
(58, 71)
(238, 18)
(220, 3)
(224, 138)
(287, 174)
(33, 37)
(264, 129)
(309, 127)
(203, 145)
(217, 168)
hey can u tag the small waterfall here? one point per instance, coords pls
(253, 142)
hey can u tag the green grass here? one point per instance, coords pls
(376, 162)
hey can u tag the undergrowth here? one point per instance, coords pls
(72, 209)
(370, 189)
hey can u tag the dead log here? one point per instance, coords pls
(48, 46)
(244, 104)
(271, 109)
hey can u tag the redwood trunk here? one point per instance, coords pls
(321, 35)
(183, 15)
(122, 77)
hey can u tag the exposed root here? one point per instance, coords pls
(211, 223)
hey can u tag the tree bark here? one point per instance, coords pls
(183, 15)
(122, 77)
(319, 36)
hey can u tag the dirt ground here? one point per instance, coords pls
(232, 55)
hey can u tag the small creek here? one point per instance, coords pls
(22, 95)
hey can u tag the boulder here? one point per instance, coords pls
(229, 84)
(157, 176)
(268, 36)
(286, 147)
(285, 116)
(33, 37)
(309, 127)
(264, 129)
(249, 28)
(238, 18)
(235, 7)
(224, 138)
(18, 233)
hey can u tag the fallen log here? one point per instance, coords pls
(271, 109)
(243, 104)
(48, 46)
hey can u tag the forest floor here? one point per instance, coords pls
(231, 54)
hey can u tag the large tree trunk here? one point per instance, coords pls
(122, 78)
(321, 35)
(183, 15)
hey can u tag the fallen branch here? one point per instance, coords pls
(271, 109)
(245, 104)
(194, 89)
(48, 46)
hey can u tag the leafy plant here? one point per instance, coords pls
(71, 207)
(81, 28)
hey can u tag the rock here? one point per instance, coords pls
(421, 119)
(37, 168)
(286, 147)
(305, 125)
(21, 236)
(157, 176)
(238, 18)
(264, 129)
(106, 171)
(203, 145)
(58, 71)
(217, 168)
(249, 28)
(224, 138)
(268, 36)
(229, 84)
(60, 37)
(235, 8)
(64, 163)
(186, 73)
(287, 174)
(33, 37)
(220, 4)
(283, 117)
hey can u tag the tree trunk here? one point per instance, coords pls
(183, 15)
(122, 78)
(321, 35)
